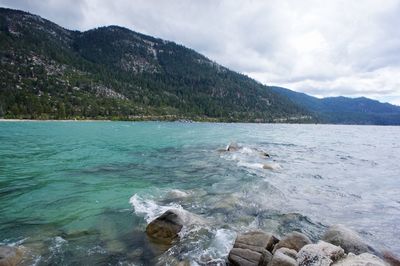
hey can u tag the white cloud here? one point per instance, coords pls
(324, 48)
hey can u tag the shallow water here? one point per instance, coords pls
(83, 192)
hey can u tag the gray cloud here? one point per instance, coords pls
(325, 48)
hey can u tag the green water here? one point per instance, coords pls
(65, 186)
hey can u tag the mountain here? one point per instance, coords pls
(342, 110)
(48, 72)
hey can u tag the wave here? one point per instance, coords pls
(149, 208)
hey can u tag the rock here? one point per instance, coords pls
(252, 248)
(232, 147)
(10, 256)
(284, 257)
(176, 194)
(165, 228)
(391, 258)
(346, 238)
(364, 259)
(288, 252)
(319, 254)
(247, 257)
(256, 241)
(293, 240)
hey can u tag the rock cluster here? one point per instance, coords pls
(340, 246)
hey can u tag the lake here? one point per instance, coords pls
(83, 192)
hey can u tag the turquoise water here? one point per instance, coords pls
(83, 192)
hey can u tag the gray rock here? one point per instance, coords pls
(10, 256)
(288, 252)
(244, 257)
(320, 254)
(232, 147)
(294, 240)
(364, 259)
(256, 241)
(165, 228)
(284, 257)
(346, 238)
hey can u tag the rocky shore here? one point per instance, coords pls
(339, 246)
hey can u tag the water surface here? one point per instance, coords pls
(83, 192)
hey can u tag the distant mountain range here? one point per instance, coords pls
(48, 72)
(342, 110)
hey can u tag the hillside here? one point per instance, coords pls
(342, 110)
(48, 72)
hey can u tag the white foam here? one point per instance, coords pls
(251, 165)
(149, 208)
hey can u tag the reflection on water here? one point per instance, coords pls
(82, 193)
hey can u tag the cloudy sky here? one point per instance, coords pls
(323, 48)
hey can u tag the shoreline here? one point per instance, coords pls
(181, 120)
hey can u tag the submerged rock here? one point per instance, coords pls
(165, 228)
(319, 254)
(252, 248)
(294, 240)
(364, 259)
(10, 256)
(232, 147)
(176, 194)
(284, 257)
(346, 238)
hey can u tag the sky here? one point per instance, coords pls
(322, 48)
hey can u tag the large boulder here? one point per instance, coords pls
(247, 257)
(165, 229)
(364, 259)
(346, 238)
(10, 256)
(293, 240)
(252, 249)
(284, 257)
(320, 254)
(256, 240)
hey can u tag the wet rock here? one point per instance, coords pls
(288, 252)
(176, 194)
(247, 257)
(10, 256)
(294, 240)
(165, 228)
(346, 238)
(232, 147)
(252, 248)
(284, 257)
(364, 259)
(256, 241)
(391, 258)
(319, 254)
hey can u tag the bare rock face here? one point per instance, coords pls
(252, 249)
(10, 256)
(284, 257)
(346, 238)
(165, 228)
(320, 254)
(364, 259)
(294, 240)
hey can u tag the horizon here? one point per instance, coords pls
(378, 83)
